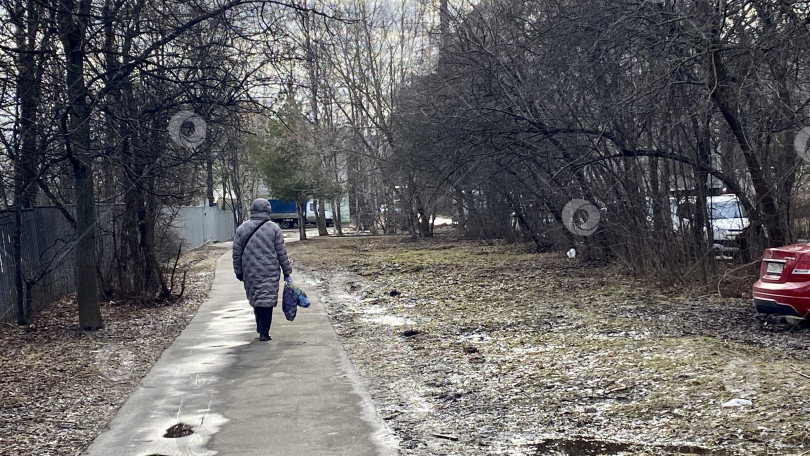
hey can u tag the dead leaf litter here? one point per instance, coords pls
(61, 386)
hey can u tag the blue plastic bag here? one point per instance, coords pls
(301, 297)
(303, 301)
(289, 302)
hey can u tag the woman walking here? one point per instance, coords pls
(258, 255)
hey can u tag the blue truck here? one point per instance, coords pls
(283, 212)
(286, 215)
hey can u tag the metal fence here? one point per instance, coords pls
(200, 225)
(48, 247)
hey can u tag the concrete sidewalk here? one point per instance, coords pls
(297, 394)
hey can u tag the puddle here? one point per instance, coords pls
(590, 447)
(178, 430)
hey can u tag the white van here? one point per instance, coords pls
(727, 217)
(310, 214)
(728, 221)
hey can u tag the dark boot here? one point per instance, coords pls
(264, 316)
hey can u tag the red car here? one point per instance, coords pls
(783, 287)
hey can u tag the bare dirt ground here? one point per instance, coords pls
(473, 349)
(60, 386)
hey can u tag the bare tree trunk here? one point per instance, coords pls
(209, 180)
(29, 96)
(724, 94)
(703, 234)
(353, 191)
(18, 273)
(72, 30)
(336, 217)
(154, 276)
(422, 218)
(86, 280)
(320, 217)
(444, 23)
(302, 220)
(236, 188)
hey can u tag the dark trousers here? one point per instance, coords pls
(264, 316)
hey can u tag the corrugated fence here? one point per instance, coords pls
(48, 245)
(200, 225)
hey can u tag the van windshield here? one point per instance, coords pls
(724, 210)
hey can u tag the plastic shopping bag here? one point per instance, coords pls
(301, 297)
(289, 302)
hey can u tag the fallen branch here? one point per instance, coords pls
(800, 373)
(445, 436)
(617, 389)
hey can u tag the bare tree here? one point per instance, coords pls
(625, 105)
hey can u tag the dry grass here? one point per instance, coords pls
(507, 349)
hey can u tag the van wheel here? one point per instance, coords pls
(287, 224)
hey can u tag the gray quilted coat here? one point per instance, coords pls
(259, 261)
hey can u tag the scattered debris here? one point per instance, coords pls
(737, 403)
(477, 359)
(444, 436)
(800, 373)
(178, 430)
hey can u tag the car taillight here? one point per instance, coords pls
(801, 268)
